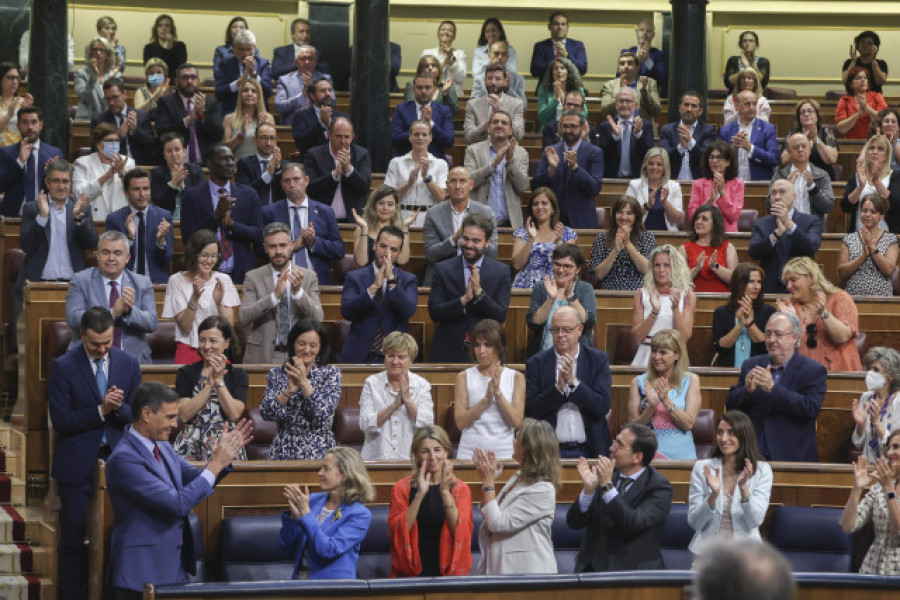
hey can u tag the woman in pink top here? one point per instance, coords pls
(720, 185)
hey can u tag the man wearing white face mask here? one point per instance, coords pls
(877, 412)
(99, 174)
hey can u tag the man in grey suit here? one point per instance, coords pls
(499, 168)
(443, 222)
(479, 110)
(275, 296)
(128, 296)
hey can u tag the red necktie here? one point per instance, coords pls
(156, 454)
(113, 298)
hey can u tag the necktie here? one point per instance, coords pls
(124, 144)
(625, 160)
(140, 267)
(31, 192)
(101, 377)
(117, 330)
(623, 483)
(156, 454)
(299, 255)
(379, 333)
(193, 145)
(224, 242)
(283, 319)
(263, 166)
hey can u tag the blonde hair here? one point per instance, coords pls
(260, 109)
(427, 432)
(886, 145)
(681, 274)
(804, 265)
(398, 341)
(156, 62)
(669, 339)
(356, 485)
(379, 193)
(110, 52)
(651, 153)
(540, 452)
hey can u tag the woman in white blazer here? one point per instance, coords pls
(729, 492)
(100, 173)
(515, 533)
(663, 209)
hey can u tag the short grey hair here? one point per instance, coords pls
(561, 309)
(890, 363)
(794, 321)
(742, 569)
(244, 36)
(111, 235)
(57, 164)
(276, 227)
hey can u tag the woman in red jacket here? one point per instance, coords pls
(430, 522)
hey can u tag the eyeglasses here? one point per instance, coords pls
(209, 256)
(563, 266)
(779, 335)
(715, 157)
(811, 331)
(565, 330)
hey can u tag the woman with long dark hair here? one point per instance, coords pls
(739, 325)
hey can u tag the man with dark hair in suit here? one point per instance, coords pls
(240, 67)
(153, 490)
(782, 235)
(55, 231)
(22, 164)
(573, 169)
(230, 210)
(291, 89)
(623, 503)
(89, 390)
(754, 140)
(422, 108)
(569, 386)
(148, 229)
(263, 171)
(686, 139)
(275, 296)
(340, 172)
(314, 230)
(310, 124)
(558, 45)
(377, 300)
(466, 289)
(624, 138)
(190, 114)
(782, 393)
(135, 132)
(128, 296)
(284, 56)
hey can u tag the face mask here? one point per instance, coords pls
(874, 381)
(156, 79)
(110, 148)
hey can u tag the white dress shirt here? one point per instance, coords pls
(393, 439)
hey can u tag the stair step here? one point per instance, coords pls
(39, 529)
(48, 589)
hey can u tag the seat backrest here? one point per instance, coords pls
(747, 219)
(13, 259)
(249, 549)
(811, 539)
(57, 335)
(375, 550)
(704, 432)
(337, 335)
(453, 432)
(676, 536)
(263, 434)
(341, 267)
(162, 343)
(566, 541)
(895, 280)
(346, 428)
(620, 346)
(602, 217)
(199, 551)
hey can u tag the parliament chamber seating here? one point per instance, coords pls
(811, 539)
(675, 537)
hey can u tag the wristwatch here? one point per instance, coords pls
(891, 495)
(392, 281)
(607, 488)
(428, 179)
(572, 299)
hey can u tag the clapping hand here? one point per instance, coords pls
(531, 229)
(43, 205)
(859, 412)
(884, 473)
(674, 297)
(298, 500)
(589, 476)
(746, 473)
(552, 159)
(218, 292)
(550, 287)
(614, 126)
(861, 478)
(162, 230)
(785, 306)
(713, 480)
(487, 465)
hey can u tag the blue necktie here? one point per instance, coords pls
(30, 177)
(101, 378)
(625, 161)
(300, 255)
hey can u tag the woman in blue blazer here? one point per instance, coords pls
(327, 528)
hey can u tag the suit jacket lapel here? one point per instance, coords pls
(87, 374)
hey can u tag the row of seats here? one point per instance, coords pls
(810, 538)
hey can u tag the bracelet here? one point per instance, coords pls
(487, 488)
(450, 506)
(655, 313)
(744, 500)
(193, 307)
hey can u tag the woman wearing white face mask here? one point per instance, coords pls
(99, 174)
(877, 412)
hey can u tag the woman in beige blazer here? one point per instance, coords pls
(515, 533)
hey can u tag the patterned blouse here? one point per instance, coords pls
(540, 260)
(304, 424)
(883, 557)
(868, 280)
(623, 275)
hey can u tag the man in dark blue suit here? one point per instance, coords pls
(782, 393)
(153, 491)
(22, 164)
(613, 135)
(573, 169)
(686, 140)
(310, 124)
(782, 235)
(230, 210)
(190, 114)
(340, 172)
(377, 300)
(558, 45)
(753, 140)
(314, 230)
(135, 132)
(463, 292)
(422, 108)
(240, 67)
(569, 386)
(89, 390)
(262, 171)
(283, 57)
(148, 227)
(55, 231)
